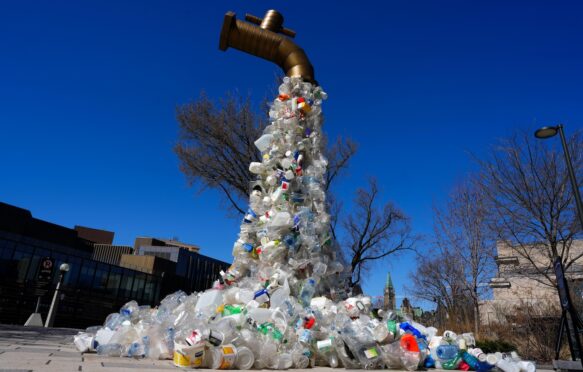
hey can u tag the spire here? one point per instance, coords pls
(389, 281)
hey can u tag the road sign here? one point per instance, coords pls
(45, 271)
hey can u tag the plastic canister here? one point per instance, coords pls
(184, 354)
(245, 358)
(223, 357)
(197, 358)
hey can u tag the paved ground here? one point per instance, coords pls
(52, 350)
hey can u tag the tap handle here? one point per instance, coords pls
(253, 19)
(287, 32)
(258, 21)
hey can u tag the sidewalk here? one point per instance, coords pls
(52, 350)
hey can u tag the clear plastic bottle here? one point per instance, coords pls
(245, 358)
(111, 350)
(308, 291)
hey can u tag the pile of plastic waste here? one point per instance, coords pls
(284, 302)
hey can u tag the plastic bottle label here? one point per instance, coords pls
(196, 361)
(214, 338)
(371, 353)
(181, 360)
(324, 345)
(306, 336)
(229, 357)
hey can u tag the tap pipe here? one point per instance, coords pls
(265, 38)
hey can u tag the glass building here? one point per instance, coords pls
(91, 289)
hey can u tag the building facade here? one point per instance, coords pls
(524, 279)
(95, 286)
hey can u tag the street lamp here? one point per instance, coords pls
(573, 325)
(548, 132)
(55, 303)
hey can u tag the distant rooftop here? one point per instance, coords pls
(95, 235)
(160, 242)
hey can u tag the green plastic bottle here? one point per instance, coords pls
(452, 363)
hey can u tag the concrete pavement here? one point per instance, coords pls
(52, 350)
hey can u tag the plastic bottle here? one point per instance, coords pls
(300, 359)
(223, 357)
(507, 365)
(308, 291)
(84, 342)
(447, 352)
(471, 360)
(326, 349)
(452, 363)
(129, 308)
(282, 361)
(526, 366)
(478, 353)
(245, 358)
(111, 350)
(405, 326)
(263, 142)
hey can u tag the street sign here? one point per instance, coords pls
(45, 271)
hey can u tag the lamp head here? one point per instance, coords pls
(546, 132)
(64, 268)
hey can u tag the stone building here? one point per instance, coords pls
(524, 279)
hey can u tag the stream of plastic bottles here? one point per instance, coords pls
(285, 301)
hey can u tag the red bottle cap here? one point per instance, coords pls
(463, 366)
(409, 343)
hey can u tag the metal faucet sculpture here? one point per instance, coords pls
(268, 42)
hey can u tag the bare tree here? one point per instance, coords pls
(440, 278)
(374, 231)
(216, 146)
(462, 230)
(530, 203)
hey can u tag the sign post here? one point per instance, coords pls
(43, 279)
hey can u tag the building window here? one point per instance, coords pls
(86, 274)
(21, 261)
(125, 289)
(100, 281)
(114, 281)
(138, 287)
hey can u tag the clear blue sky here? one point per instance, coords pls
(88, 92)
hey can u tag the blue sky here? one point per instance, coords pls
(88, 93)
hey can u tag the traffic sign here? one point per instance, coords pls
(45, 271)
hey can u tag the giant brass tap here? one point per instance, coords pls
(265, 38)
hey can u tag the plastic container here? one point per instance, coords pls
(263, 142)
(223, 357)
(184, 355)
(111, 350)
(245, 358)
(447, 352)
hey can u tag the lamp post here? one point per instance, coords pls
(55, 303)
(574, 324)
(548, 132)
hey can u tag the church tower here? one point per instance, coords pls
(389, 295)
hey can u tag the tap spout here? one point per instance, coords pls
(265, 38)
